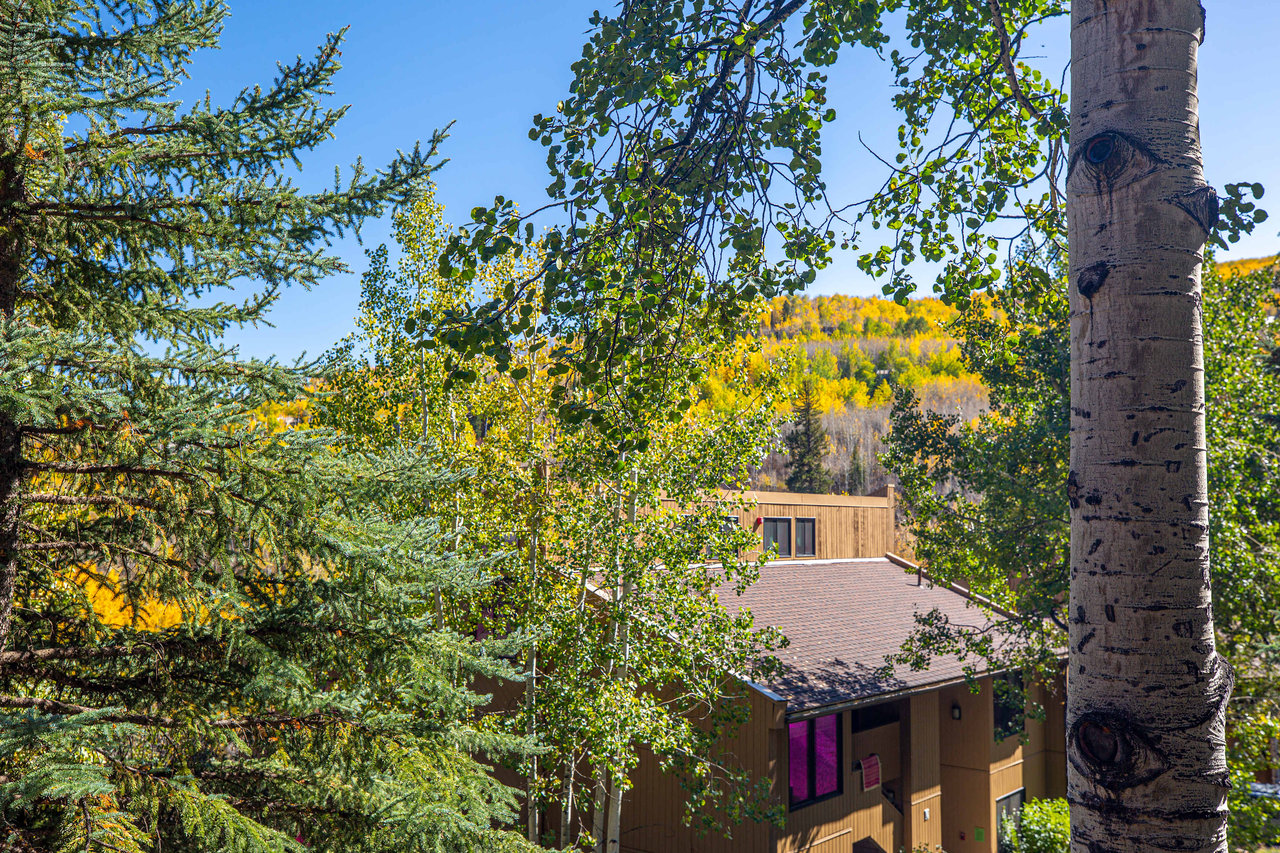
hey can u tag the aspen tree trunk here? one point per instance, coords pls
(602, 805)
(624, 638)
(541, 475)
(533, 829)
(599, 807)
(600, 796)
(566, 803)
(1147, 692)
(426, 437)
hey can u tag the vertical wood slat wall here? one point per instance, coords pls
(923, 783)
(833, 825)
(952, 767)
(846, 526)
(653, 810)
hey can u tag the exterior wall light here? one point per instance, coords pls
(955, 710)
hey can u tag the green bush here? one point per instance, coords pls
(1044, 826)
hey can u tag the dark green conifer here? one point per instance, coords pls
(807, 444)
(214, 635)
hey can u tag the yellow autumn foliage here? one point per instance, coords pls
(114, 611)
(1244, 266)
(854, 350)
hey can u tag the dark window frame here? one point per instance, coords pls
(811, 768)
(1011, 814)
(765, 537)
(813, 536)
(1008, 713)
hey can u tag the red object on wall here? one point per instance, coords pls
(870, 772)
(756, 526)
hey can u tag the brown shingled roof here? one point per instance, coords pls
(841, 619)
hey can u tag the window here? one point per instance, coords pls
(805, 538)
(1008, 810)
(875, 716)
(729, 525)
(777, 531)
(1010, 705)
(815, 762)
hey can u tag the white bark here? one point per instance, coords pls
(613, 835)
(598, 808)
(623, 643)
(1146, 690)
(566, 806)
(532, 827)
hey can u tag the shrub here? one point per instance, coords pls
(1044, 826)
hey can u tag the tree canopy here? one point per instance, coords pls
(607, 591)
(213, 632)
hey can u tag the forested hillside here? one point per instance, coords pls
(854, 351)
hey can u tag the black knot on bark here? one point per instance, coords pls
(1111, 750)
(1099, 743)
(1091, 279)
(1111, 159)
(1099, 149)
(1073, 490)
(1202, 206)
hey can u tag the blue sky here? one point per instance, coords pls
(489, 65)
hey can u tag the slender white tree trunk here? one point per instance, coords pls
(614, 836)
(532, 828)
(599, 807)
(566, 804)
(614, 832)
(1146, 690)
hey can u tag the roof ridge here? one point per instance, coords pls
(963, 591)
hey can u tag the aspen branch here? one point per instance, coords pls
(1010, 73)
(1006, 59)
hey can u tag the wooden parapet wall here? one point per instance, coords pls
(845, 526)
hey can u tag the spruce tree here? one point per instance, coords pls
(214, 634)
(807, 444)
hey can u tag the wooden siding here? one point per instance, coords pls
(922, 786)
(653, 810)
(966, 742)
(1055, 738)
(977, 769)
(845, 527)
(953, 768)
(966, 796)
(884, 742)
(835, 824)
